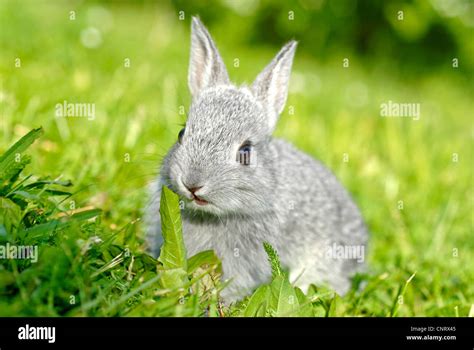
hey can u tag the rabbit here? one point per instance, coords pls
(241, 187)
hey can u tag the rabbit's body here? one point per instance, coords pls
(281, 196)
(302, 224)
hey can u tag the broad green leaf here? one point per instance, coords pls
(305, 308)
(173, 278)
(173, 251)
(283, 299)
(9, 160)
(257, 304)
(207, 257)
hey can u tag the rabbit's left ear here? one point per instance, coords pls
(206, 68)
(271, 85)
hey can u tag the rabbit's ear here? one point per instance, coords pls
(206, 68)
(271, 85)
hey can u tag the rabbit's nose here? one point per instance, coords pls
(192, 188)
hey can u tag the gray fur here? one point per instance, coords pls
(284, 196)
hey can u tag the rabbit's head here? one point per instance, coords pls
(221, 163)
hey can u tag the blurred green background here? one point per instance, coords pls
(411, 178)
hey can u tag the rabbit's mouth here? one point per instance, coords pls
(199, 201)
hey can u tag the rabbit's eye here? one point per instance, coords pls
(243, 154)
(180, 135)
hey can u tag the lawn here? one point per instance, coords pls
(411, 178)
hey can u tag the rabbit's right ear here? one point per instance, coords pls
(271, 85)
(206, 68)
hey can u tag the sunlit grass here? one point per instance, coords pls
(423, 166)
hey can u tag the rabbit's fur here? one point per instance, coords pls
(283, 196)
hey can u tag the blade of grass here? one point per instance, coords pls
(401, 293)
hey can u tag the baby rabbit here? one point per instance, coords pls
(241, 187)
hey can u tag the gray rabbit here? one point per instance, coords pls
(241, 187)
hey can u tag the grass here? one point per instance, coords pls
(411, 179)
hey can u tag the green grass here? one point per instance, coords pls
(97, 266)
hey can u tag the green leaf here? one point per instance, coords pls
(205, 270)
(173, 278)
(399, 298)
(52, 192)
(173, 251)
(86, 214)
(42, 183)
(335, 307)
(13, 173)
(207, 257)
(257, 304)
(274, 260)
(44, 230)
(25, 195)
(283, 299)
(41, 231)
(306, 308)
(9, 163)
(10, 216)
